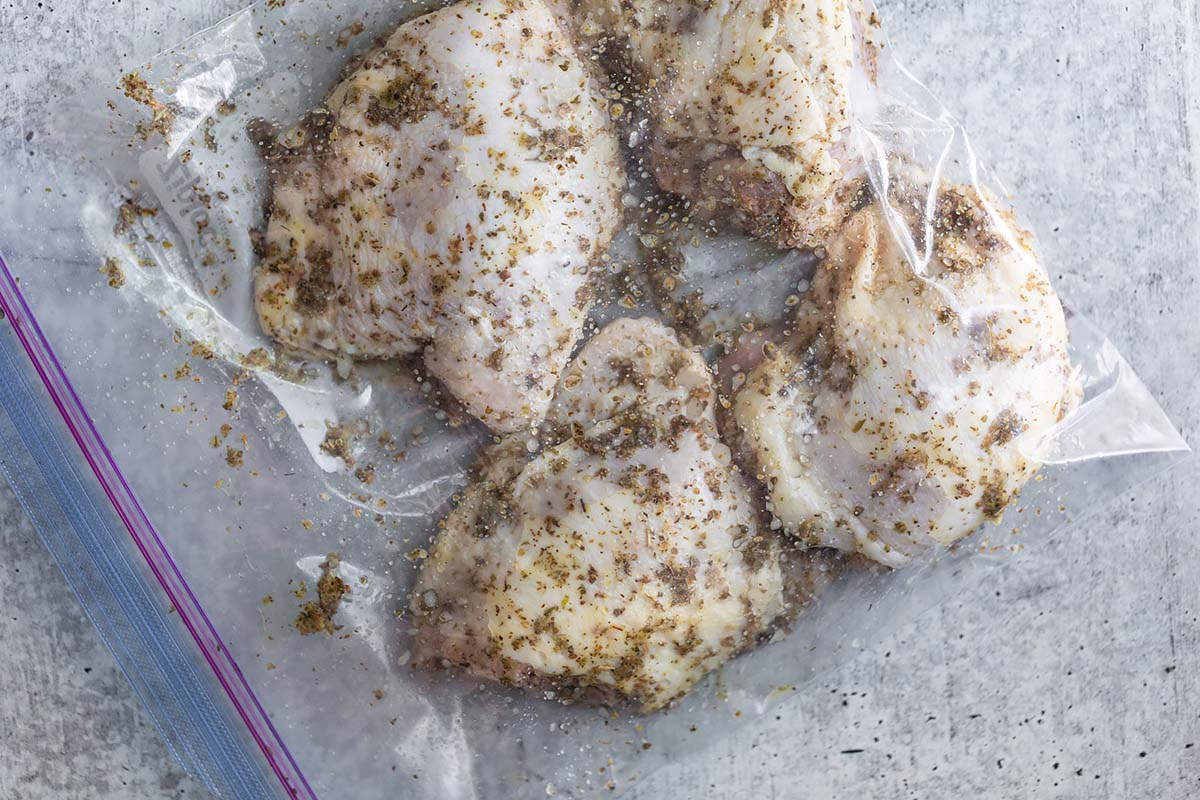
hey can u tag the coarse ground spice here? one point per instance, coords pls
(317, 615)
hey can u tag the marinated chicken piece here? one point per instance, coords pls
(624, 560)
(915, 393)
(449, 199)
(748, 101)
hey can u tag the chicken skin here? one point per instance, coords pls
(916, 390)
(624, 560)
(748, 102)
(449, 201)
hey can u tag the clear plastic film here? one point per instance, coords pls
(255, 461)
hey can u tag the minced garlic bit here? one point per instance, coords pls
(162, 115)
(317, 615)
(338, 443)
(112, 269)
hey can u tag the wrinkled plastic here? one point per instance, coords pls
(163, 361)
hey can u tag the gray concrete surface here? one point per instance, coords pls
(69, 725)
(1075, 676)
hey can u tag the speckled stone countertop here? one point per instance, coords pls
(1075, 676)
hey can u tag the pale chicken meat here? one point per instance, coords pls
(920, 384)
(747, 101)
(449, 202)
(621, 562)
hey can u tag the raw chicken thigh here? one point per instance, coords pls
(621, 562)
(916, 391)
(748, 101)
(450, 200)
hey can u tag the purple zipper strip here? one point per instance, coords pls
(123, 500)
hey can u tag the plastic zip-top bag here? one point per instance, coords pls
(513, 397)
